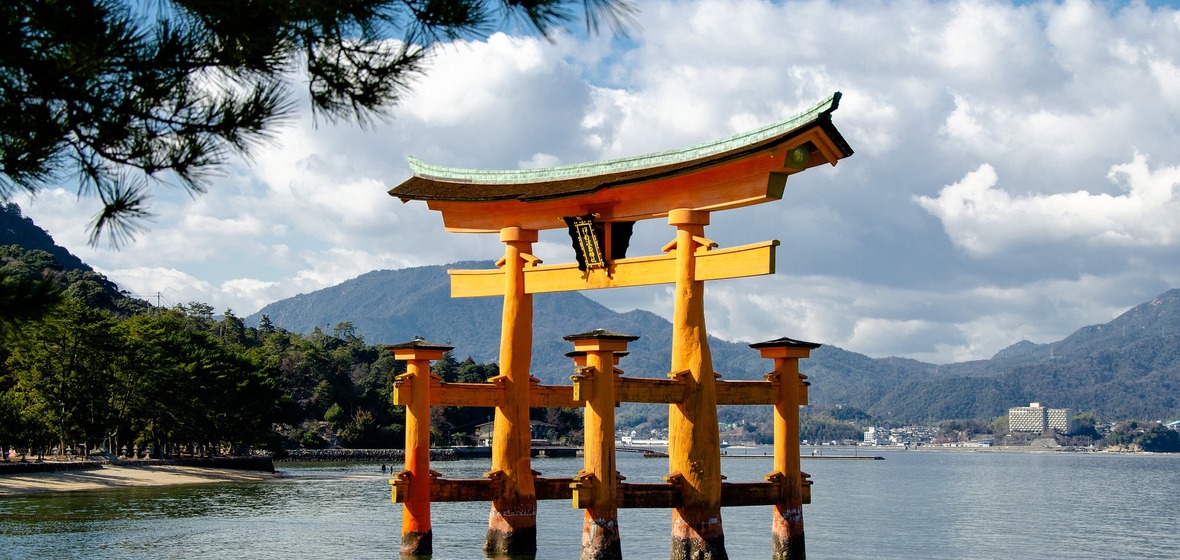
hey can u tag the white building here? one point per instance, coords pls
(876, 437)
(1039, 419)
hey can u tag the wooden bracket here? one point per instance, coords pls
(583, 488)
(399, 487)
(704, 243)
(401, 390)
(583, 383)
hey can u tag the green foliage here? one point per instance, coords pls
(816, 428)
(334, 414)
(312, 440)
(183, 380)
(1085, 425)
(1157, 438)
(960, 430)
(61, 368)
(124, 94)
(849, 414)
(26, 290)
(16, 229)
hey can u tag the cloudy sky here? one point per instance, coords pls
(1014, 178)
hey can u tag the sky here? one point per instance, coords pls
(1014, 178)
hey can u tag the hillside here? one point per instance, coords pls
(391, 306)
(16, 229)
(1128, 368)
(28, 255)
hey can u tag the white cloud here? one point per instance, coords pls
(164, 286)
(985, 220)
(1014, 174)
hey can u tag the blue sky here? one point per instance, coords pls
(1014, 178)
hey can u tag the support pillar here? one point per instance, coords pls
(417, 535)
(597, 488)
(787, 523)
(512, 523)
(694, 446)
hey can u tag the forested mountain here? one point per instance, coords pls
(1127, 368)
(15, 229)
(85, 366)
(34, 270)
(392, 306)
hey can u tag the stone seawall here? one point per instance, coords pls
(360, 455)
(50, 466)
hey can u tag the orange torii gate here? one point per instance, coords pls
(598, 203)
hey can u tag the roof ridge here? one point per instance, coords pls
(630, 163)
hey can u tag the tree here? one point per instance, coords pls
(1159, 439)
(129, 94)
(27, 291)
(62, 367)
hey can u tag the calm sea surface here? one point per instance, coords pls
(912, 505)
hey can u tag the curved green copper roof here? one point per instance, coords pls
(625, 164)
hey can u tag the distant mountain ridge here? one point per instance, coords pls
(1127, 368)
(392, 306)
(16, 229)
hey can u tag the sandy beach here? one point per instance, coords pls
(113, 477)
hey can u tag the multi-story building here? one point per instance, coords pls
(1060, 419)
(874, 436)
(1039, 419)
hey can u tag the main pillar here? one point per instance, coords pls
(787, 524)
(512, 523)
(694, 446)
(417, 535)
(597, 490)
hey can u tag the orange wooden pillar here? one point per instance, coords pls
(694, 447)
(417, 536)
(597, 487)
(787, 523)
(512, 523)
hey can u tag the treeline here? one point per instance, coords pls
(1141, 436)
(83, 366)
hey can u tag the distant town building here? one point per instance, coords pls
(873, 437)
(1039, 419)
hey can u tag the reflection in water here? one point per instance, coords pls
(924, 505)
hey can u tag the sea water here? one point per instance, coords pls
(912, 505)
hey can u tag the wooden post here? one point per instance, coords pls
(694, 446)
(512, 523)
(787, 523)
(600, 524)
(417, 536)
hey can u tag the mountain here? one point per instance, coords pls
(1127, 368)
(29, 255)
(16, 229)
(392, 306)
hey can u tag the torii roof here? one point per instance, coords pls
(717, 175)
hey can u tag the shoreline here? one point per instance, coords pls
(115, 477)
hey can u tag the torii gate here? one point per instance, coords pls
(598, 203)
